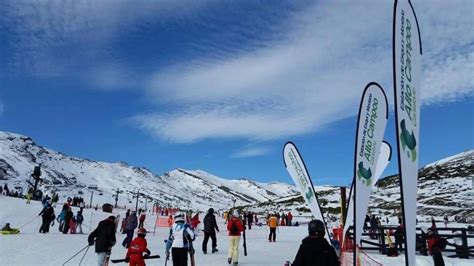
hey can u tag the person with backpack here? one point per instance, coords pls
(315, 249)
(235, 228)
(210, 228)
(138, 246)
(130, 225)
(272, 224)
(435, 245)
(79, 220)
(180, 241)
(47, 215)
(104, 237)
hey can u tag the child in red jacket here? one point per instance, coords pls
(136, 249)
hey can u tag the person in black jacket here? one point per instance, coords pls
(104, 236)
(315, 249)
(47, 214)
(210, 226)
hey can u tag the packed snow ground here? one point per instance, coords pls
(32, 248)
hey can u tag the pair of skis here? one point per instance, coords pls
(145, 258)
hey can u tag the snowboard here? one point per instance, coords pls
(145, 258)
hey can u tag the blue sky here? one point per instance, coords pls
(222, 85)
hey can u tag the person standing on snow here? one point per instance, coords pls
(272, 224)
(79, 220)
(315, 249)
(235, 228)
(104, 236)
(210, 228)
(67, 220)
(47, 214)
(137, 247)
(142, 219)
(179, 241)
(130, 224)
(435, 245)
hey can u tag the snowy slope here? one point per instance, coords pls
(72, 176)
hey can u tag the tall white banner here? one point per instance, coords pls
(384, 159)
(407, 73)
(373, 115)
(297, 169)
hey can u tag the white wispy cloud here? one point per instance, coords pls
(312, 78)
(250, 152)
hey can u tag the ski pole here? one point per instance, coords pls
(75, 255)
(87, 249)
(30, 221)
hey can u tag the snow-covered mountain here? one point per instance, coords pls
(72, 176)
(445, 186)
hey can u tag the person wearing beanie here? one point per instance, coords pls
(210, 228)
(138, 246)
(235, 228)
(104, 238)
(315, 249)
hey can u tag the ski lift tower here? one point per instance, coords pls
(36, 177)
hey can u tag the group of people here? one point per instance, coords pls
(68, 222)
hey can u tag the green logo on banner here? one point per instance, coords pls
(310, 194)
(365, 175)
(408, 141)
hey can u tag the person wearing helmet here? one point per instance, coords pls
(180, 241)
(235, 228)
(315, 249)
(210, 228)
(138, 246)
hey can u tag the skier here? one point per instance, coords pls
(179, 241)
(272, 224)
(61, 217)
(435, 245)
(79, 220)
(104, 236)
(235, 228)
(290, 218)
(446, 219)
(315, 249)
(130, 225)
(72, 225)
(210, 228)
(136, 249)
(47, 215)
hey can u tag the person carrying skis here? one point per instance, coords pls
(130, 225)
(104, 237)
(210, 228)
(272, 224)
(435, 245)
(180, 241)
(47, 215)
(235, 228)
(137, 247)
(315, 249)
